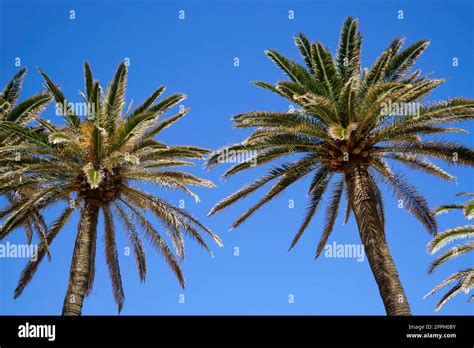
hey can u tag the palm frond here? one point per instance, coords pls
(292, 173)
(348, 54)
(111, 257)
(73, 120)
(135, 241)
(114, 101)
(417, 162)
(403, 61)
(319, 185)
(159, 244)
(32, 266)
(446, 208)
(450, 254)
(331, 215)
(450, 235)
(413, 201)
(11, 92)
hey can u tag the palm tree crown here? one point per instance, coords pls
(92, 163)
(346, 128)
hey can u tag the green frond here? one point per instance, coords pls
(284, 140)
(168, 103)
(347, 214)
(159, 244)
(347, 103)
(294, 71)
(165, 124)
(331, 214)
(142, 146)
(445, 282)
(413, 201)
(133, 128)
(149, 102)
(465, 282)
(114, 101)
(30, 206)
(390, 133)
(320, 107)
(262, 157)
(452, 110)
(26, 134)
(314, 134)
(245, 191)
(167, 163)
(174, 216)
(446, 208)
(111, 257)
(420, 90)
(60, 137)
(319, 185)
(371, 106)
(268, 86)
(304, 46)
(26, 110)
(169, 220)
(450, 254)
(450, 152)
(377, 72)
(467, 194)
(401, 63)
(88, 81)
(274, 119)
(448, 236)
(73, 120)
(469, 210)
(417, 162)
(12, 90)
(174, 152)
(32, 266)
(326, 71)
(135, 241)
(293, 172)
(348, 54)
(170, 178)
(451, 293)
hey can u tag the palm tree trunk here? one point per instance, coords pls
(372, 233)
(81, 258)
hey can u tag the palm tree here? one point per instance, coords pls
(342, 131)
(464, 278)
(21, 114)
(92, 163)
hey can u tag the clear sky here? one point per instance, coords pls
(196, 56)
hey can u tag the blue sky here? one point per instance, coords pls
(196, 56)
